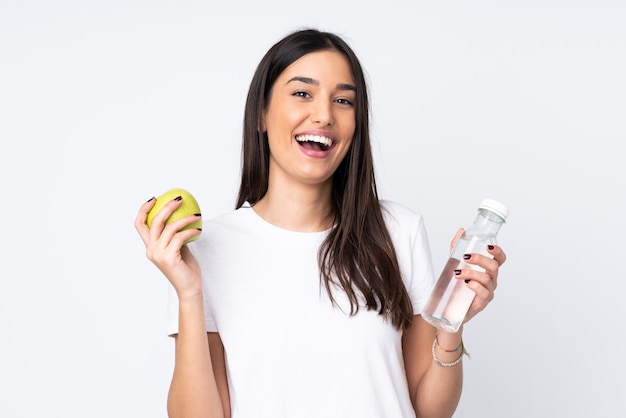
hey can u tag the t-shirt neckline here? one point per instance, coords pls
(271, 226)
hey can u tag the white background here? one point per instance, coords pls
(104, 104)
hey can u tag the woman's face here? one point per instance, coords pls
(310, 118)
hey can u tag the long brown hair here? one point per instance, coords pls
(358, 255)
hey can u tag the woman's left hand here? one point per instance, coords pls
(482, 283)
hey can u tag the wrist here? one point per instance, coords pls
(448, 349)
(190, 296)
(450, 339)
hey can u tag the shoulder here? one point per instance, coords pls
(224, 229)
(228, 220)
(399, 216)
(406, 226)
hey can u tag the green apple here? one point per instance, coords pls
(188, 207)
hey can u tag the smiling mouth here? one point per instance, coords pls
(314, 142)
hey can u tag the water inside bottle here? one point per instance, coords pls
(450, 299)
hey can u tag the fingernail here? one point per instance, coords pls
(467, 280)
(197, 214)
(178, 198)
(151, 199)
(467, 256)
(199, 229)
(457, 272)
(491, 247)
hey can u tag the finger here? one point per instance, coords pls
(172, 227)
(483, 296)
(140, 220)
(483, 279)
(482, 261)
(458, 235)
(488, 264)
(179, 240)
(157, 226)
(175, 249)
(183, 226)
(498, 253)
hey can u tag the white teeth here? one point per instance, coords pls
(315, 138)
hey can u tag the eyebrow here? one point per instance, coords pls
(309, 80)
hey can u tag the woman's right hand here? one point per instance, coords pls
(165, 247)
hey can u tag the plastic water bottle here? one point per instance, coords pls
(451, 298)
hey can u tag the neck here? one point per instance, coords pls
(299, 208)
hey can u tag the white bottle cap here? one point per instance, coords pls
(495, 207)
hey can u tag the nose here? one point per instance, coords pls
(321, 113)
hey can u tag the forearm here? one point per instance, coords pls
(193, 391)
(435, 389)
(439, 391)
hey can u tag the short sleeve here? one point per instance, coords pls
(410, 240)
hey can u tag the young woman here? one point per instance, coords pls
(305, 301)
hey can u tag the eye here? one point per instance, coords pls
(301, 93)
(344, 101)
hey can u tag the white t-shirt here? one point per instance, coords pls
(289, 352)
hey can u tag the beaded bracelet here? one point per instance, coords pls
(452, 363)
(445, 349)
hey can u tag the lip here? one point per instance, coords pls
(314, 153)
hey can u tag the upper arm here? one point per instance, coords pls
(216, 348)
(416, 346)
